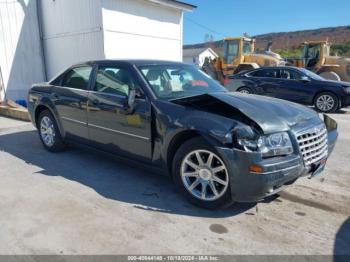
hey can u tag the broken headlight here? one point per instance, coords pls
(276, 144)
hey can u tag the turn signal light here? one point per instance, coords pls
(255, 169)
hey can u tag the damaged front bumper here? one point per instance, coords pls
(277, 172)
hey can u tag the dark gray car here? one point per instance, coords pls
(218, 147)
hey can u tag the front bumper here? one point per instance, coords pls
(278, 172)
(345, 101)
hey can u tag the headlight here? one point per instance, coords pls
(276, 145)
(272, 145)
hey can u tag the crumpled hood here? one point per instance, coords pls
(271, 114)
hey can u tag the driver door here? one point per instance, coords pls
(110, 127)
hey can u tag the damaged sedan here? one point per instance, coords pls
(218, 147)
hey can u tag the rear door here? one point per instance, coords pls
(266, 80)
(110, 127)
(70, 97)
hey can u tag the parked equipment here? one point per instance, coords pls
(239, 55)
(316, 57)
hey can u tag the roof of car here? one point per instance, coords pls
(137, 62)
(277, 67)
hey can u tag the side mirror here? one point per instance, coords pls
(305, 79)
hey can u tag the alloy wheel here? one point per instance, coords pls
(325, 103)
(204, 175)
(47, 131)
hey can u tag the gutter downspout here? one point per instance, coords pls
(2, 88)
(39, 20)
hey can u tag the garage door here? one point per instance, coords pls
(141, 29)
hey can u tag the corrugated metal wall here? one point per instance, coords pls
(141, 29)
(72, 32)
(80, 30)
(20, 51)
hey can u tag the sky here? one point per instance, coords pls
(223, 18)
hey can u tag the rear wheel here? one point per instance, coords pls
(326, 102)
(245, 90)
(201, 175)
(49, 133)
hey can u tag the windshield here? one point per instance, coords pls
(176, 81)
(311, 74)
(231, 50)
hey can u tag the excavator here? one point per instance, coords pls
(316, 57)
(239, 55)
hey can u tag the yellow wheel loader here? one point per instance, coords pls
(239, 55)
(316, 57)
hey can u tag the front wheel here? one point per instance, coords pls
(326, 102)
(201, 175)
(49, 133)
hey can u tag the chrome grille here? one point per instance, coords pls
(313, 144)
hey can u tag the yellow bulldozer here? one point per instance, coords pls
(316, 57)
(239, 55)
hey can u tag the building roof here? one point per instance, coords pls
(193, 52)
(175, 3)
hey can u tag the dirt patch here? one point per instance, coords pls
(307, 202)
(217, 228)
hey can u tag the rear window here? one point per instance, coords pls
(271, 73)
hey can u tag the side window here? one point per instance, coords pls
(290, 75)
(77, 77)
(271, 73)
(114, 80)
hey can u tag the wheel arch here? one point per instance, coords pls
(42, 107)
(180, 138)
(246, 87)
(324, 91)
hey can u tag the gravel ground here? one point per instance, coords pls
(84, 202)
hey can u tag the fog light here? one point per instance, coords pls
(255, 169)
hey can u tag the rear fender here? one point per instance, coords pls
(46, 102)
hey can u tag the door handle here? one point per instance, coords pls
(95, 102)
(55, 95)
(94, 105)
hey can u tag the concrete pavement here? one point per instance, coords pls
(84, 202)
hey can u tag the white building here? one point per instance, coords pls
(196, 56)
(39, 38)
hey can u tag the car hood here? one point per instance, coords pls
(335, 83)
(272, 115)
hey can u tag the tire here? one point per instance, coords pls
(49, 133)
(245, 90)
(326, 102)
(203, 176)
